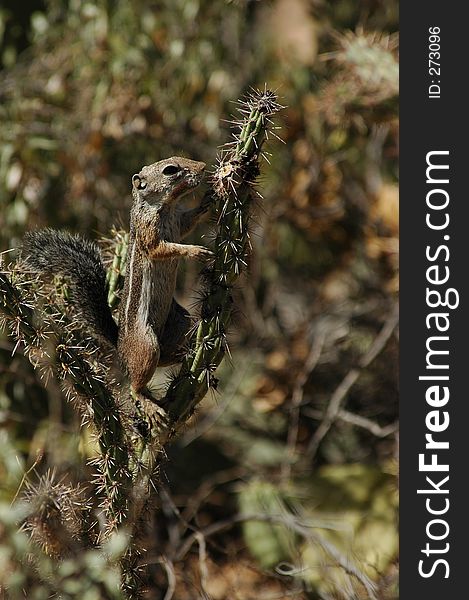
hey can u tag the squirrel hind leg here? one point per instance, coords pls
(140, 352)
(174, 335)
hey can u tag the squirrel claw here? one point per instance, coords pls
(204, 253)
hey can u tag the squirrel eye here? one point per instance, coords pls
(138, 182)
(171, 170)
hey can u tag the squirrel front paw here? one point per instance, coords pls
(202, 253)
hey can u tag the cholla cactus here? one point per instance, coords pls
(58, 519)
(117, 247)
(51, 342)
(371, 57)
(367, 77)
(233, 192)
(130, 440)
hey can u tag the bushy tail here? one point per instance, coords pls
(49, 252)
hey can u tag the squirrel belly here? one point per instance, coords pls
(48, 252)
(147, 301)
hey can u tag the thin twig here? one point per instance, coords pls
(171, 576)
(350, 379)
(297, 399)
(359, 421)
(304, 529)
(368, 424)
(39, 457)
(207, 487)
(202, 561)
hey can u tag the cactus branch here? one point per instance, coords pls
(116, 272)
(74, 365)
(232, 191)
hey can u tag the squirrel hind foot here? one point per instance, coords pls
(150, 417)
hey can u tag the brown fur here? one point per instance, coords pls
(152, 326)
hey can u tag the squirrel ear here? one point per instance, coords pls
(138, 182)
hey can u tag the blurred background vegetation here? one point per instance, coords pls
(303, 423)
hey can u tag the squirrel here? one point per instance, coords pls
(152, 325)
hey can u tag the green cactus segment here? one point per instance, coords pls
(74, 365)
(16, 312)
(129, 453)
(114, 477)
(371, 59)
(116, 273)
(232, 185)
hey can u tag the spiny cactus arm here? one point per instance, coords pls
(73, 364)
(16, 313)
(116, 272)
(84, 385)
(232, 190)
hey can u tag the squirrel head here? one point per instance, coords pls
(166, 181)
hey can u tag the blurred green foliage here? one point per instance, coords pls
(91, 91)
